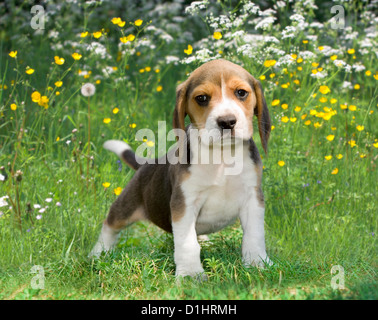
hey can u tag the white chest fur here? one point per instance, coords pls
(218, 195)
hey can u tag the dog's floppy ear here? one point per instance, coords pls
(180, 110)
(262, 113)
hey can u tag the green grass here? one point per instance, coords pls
(314, 219)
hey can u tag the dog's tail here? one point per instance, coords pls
(124, 151)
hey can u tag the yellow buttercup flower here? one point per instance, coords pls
(293, 119)
(357, 87)
(323, 99)
(83, 34)
(121, 24)
(285, 85)
(334, 57)
(275, 102)
(297, 109)
(351, 51)
(368, 73)
(352, 143)
(59, 61)
(352, 107)
(189, 50)
(29, 70)
(36, 96)
(262, 78)
(150, 144)
(328, 157)
(330, 137)
(285, 119)
(115, 110)
(58, 84)
(360, 128)
(281, 163)
(97, 34)
(117, 191)
(269, 63)
(13, 54)
(284, 106)
(116, 20)
(138, 22)
(130, 37)
(43, 102)
(324, 89)
(217, 35)
(333, 100)
(133, 125)
(308, 122)
(106, 184)
(339, 156)
(13, 107)
(107, 120)
(76, 56)
(335, 171)
(159, 88)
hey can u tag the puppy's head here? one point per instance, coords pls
(222, 97)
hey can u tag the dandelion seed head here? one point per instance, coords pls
(88, 90)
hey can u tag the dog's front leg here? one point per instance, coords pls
(252, 220)
(187, 248)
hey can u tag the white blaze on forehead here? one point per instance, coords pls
(228, 106)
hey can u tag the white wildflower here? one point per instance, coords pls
(358, 67)
(289, 32)
(3, 203)
(320, 75)
(265, 23)
(196, 6)
(171, 59)
(347, 85)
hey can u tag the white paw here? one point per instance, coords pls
(255, 260)
(196, 272)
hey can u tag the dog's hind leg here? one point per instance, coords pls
(123, 212)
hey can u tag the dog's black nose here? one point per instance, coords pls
(226, 122)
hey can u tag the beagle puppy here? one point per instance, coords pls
(192, 197)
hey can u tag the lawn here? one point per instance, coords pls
(57, 182)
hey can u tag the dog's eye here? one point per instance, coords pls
(241, 94)
(203, 100)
